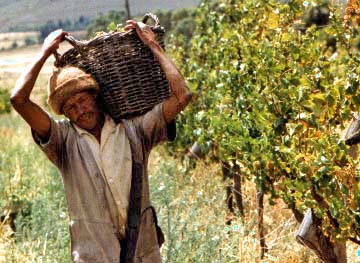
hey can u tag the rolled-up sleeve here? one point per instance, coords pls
(155, 128)
(54, 147)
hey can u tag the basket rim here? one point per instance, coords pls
(158, 29)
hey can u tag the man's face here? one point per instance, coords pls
(82, 109)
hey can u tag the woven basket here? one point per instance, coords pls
(130, 78)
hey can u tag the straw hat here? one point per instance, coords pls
(66, 81)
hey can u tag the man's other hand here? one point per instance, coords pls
(52, 41)
(144, 31)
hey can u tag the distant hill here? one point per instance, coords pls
(29, 14)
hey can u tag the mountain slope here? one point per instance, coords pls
(27, 14)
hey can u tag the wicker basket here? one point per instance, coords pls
(130, 78)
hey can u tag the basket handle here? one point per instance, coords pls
(75, 43)
(153, 17)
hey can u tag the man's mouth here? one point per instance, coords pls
(85, 116)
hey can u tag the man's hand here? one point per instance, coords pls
(144, 31)
(32, 113)
(52, 41)
(181, 95)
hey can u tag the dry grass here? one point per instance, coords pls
(17, 35)
(204, 192)
(6, 240)
(14, 61)
(8, 39)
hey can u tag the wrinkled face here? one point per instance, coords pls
(82, 109)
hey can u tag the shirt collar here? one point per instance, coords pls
(108, 124)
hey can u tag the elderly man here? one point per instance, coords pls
(103, 164)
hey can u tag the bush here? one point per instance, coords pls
(5, 106)
(29, 41)
(14, 45)
(273, 99)
(80, 24)
(32, 189)
(104, 23)
(178, 22)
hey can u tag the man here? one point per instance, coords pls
(103, 164)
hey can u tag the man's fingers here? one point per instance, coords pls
(56, 35)
(130, 24)
(130, 21)
(128, 27)
(62, 35)
(135, 24)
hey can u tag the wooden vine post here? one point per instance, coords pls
(127, 7)
(311, 236)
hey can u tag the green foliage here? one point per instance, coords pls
(275, 99)
(190, 209)
(165, 18)
(46, 29)
(4, 101)
(178, 22)
(80, 24)
(108, 22)
(29, 41)
(32, 190)
(179, 27)
(14, 45)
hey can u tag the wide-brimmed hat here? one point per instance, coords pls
(65, 82)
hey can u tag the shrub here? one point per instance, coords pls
(14, 45)
(5, 106)
(29, 41)
(273, 99)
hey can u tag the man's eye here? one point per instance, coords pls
(87, 99)
(70, 108)
(82, 100)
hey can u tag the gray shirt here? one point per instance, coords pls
(94, 217)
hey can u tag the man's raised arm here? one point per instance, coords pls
(35, 116)
(181, 95)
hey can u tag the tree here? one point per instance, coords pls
(46, 29)
(272, 99)
(102, 22)
(5, 106)
(29, 41)
(127, 7)
(67, 25)
(178, 22)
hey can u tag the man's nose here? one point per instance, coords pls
(80, 110)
